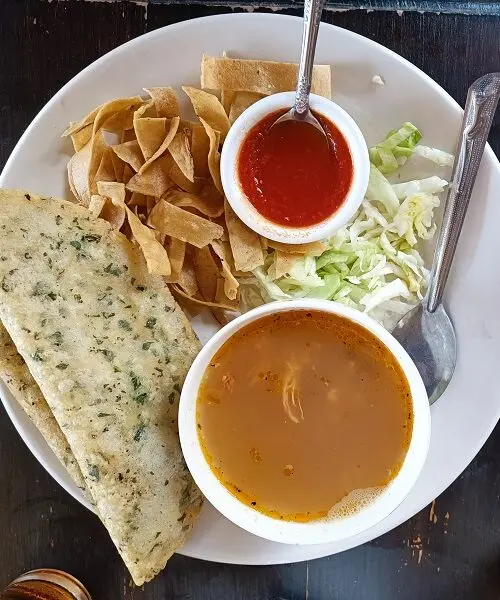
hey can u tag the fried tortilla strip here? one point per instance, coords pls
(241, 101)
(200, 147)
(129, 152)
(283, 263)
(165, 100)
(150, 133)
(109, 348)
(213, 155)
(208, 107)
(183, 225)
(16, 376)
(314, 248)
(180, 150)
(259, 76)
(155, 180)
(172, 129)
(245, 243)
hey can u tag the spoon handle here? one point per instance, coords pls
(312, 19)
(482, 100)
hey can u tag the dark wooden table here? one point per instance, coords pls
(450, 551)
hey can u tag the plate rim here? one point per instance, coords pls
(453, 105)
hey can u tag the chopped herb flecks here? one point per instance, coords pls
(76, 244)
(141, 398)
(38, 356)
(150, 323)
(113, 270)
(91, 238)
(136, 382)
(56, 338)
(62, 366)
(124, 325)
(93, 472)
(108, 355)
(139, 432)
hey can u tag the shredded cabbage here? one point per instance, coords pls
(373, 263)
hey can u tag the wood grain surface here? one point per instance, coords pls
(450, 551)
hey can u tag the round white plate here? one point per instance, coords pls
(466, 414)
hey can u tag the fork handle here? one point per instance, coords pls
(482, 100)
(312, 20)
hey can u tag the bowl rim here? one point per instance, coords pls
(320, 531)
(242, 206)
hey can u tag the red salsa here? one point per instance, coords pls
(290, 175)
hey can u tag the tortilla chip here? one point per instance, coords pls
(223, 301)
(83, 123)
(113, 214)
(150, 133)
(227, 98)
(283, 264)
(96, 204)
(259, 76)
(113, 190)
(209, 109)
(106, 170)
(123, 120)
(241, 101)
(183, 225)
(155, 180)
(245, 243)
(178, 291)
(213, 155)
(118, 166)
(176, 254)
(146, 110)
(313, 248)
(172, 130)
(165, 101)
(110, 109)
(131, 153)
(178, 177)
(207, 205)
(81, 137)
(127, 174)
(179, 148)
(207, 272)
(113, 210)
(137, 199)
(200, 147)
(187, 277)
(127, 135)
(78, 166)
(155, 254)
(97, 148)
(231, 284)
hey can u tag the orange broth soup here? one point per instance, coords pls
(304, 415)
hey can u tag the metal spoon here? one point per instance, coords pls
(300, 110)
(426, 332)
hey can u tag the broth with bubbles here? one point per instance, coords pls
(304, 415)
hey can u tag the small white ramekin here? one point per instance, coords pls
(314, 532)
(242, 206)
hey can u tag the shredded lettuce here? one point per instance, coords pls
(373, 263)
(441, 158)
(393, 152)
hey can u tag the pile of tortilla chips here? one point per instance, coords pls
(155, 176)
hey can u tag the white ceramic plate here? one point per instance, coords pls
(466, 414)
